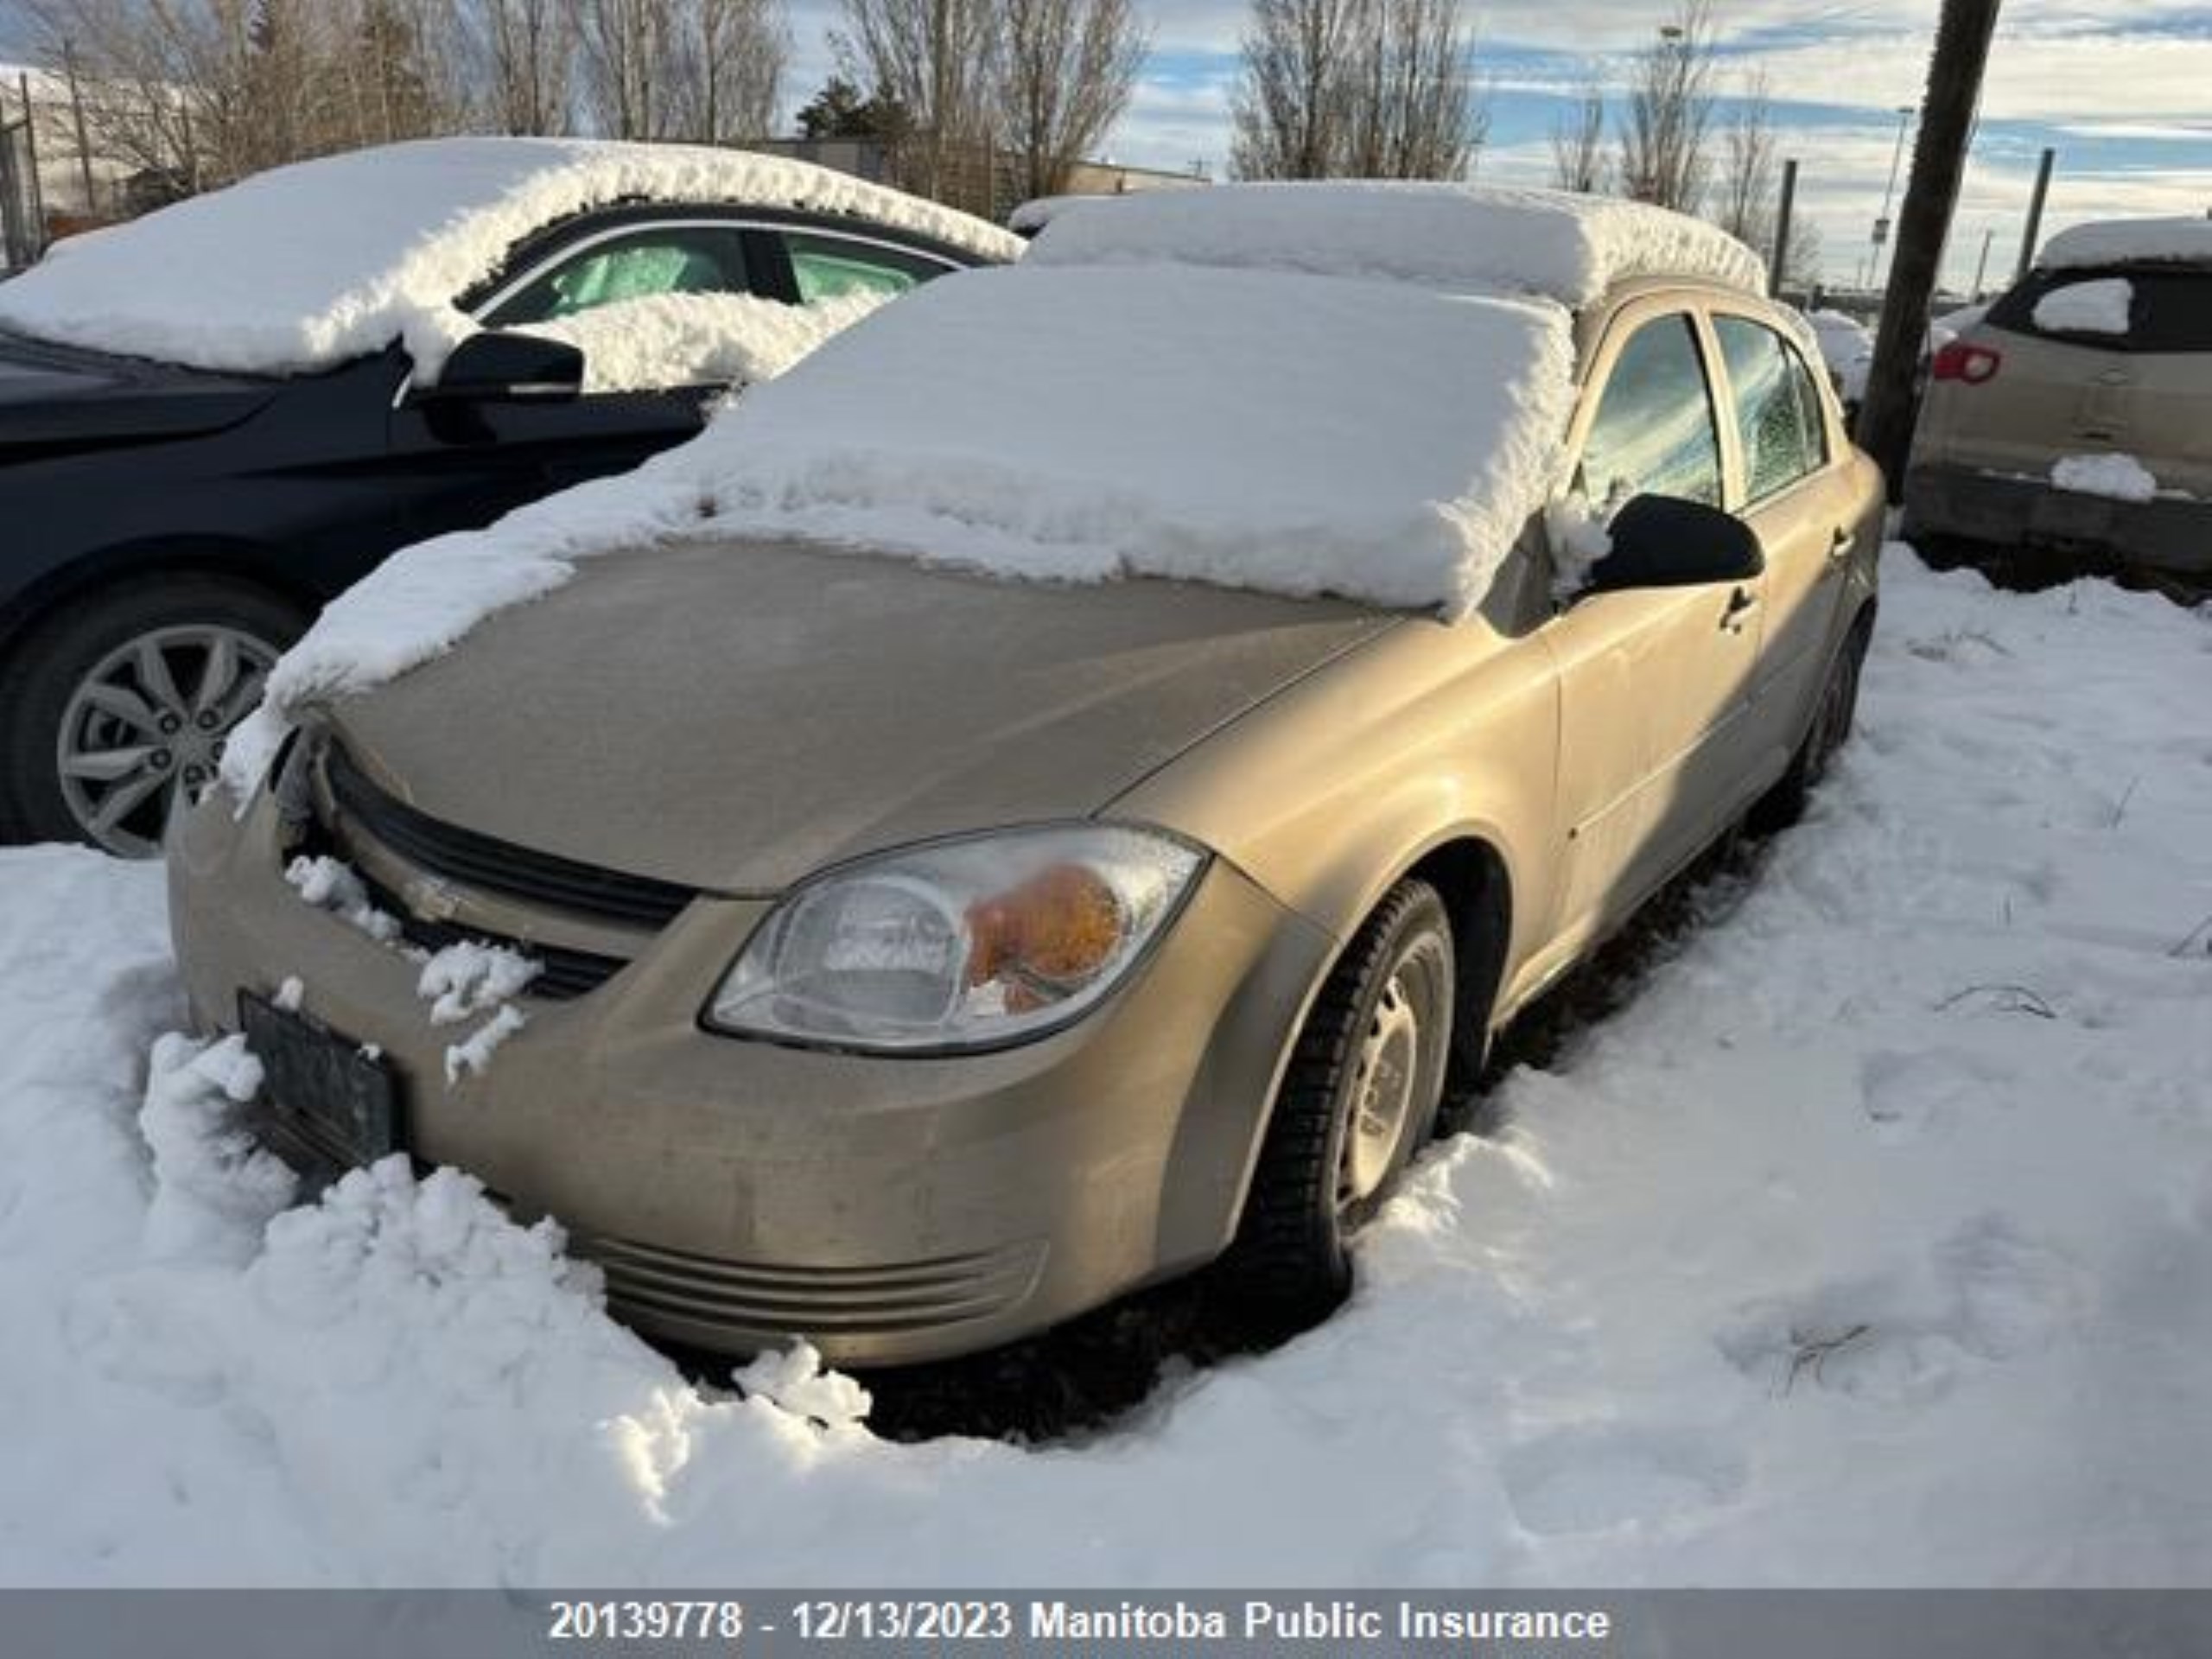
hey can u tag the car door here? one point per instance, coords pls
(1787, 482)
(1654, 683)
(465, 465)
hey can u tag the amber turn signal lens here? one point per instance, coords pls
(1047, 937)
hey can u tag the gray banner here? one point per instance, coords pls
(1656, 1625)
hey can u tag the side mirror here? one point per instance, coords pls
(1662, 541)
(498, 368)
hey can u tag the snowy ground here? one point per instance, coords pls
(1870, 1243)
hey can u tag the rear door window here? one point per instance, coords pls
(831, 267)
(1654, 434)
(1778, 417)
(2173, 311)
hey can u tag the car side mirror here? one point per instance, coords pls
(1659, 541)
(501, 368)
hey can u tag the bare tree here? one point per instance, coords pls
(937, 60)
(1067, 69)
(624, 52)
(1415, 112)
(1748, 167)
(1579, 142)
(1664, 138)
(1368, 88)
(1289, 105)
(725, 73)
(192, 93)
(519, 54)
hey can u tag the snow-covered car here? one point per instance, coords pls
(2075, 416)
(215, 418)
(1043, 832)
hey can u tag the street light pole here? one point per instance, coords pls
(1905, 113)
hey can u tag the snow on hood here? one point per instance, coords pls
(1565, 247)
(1263, 429)
(2130, 241)
(699, 339)
(305, 267)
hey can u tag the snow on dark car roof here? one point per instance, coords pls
(305, 267)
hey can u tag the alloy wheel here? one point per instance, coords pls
(142, 733)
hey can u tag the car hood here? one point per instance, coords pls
(735, 716)
(57, 395)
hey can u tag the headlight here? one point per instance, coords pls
(957, 945)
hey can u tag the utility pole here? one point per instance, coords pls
(77, 109)
(2035, 216)
(1778, 272)
(1939, 163)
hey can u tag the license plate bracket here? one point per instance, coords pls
(322, 1094)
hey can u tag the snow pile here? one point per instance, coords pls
(2099, 307)
(1847, 348)
(1566, 247)
(329, 884)
(2118, 478)
(699, 339)
(1296, 434)
(305, 267)
(2130, 241)
(465, 980)
(1866, 1244)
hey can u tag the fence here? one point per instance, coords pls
(22, 214)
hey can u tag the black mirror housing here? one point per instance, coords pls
(1659, 541)
(501, 368)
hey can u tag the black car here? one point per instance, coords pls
(166, 531)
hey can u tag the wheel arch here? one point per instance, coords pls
(237, 558)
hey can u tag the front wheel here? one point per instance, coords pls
(118, 707)
(1358, 1099)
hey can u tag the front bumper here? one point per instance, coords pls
(739, 1193)
(2172, 533)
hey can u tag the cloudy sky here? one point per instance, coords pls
(2122, 89)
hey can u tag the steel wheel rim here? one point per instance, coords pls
(143, 730)
(1385, 1086)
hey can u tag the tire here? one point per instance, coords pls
(1832, 719)
(126, 679)
(1319, 1177)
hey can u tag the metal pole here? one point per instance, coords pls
(1939, 163)
(1982, 266)
(1905, 113)
(1778, 271)
(77, 109)
(2028, 249)
(30, 153)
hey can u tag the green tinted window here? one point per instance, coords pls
(1654, 433)
(1778, 411)
(830, 267)
(692, 259)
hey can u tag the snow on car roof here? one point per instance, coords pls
(1264, 429)
(2130, 241)
(1565, 247)
(304, 267)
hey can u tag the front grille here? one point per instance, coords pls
(496, 867)
(657, 1286)
(563, 973)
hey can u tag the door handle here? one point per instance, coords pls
(1741, 604)
(1841, 542)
